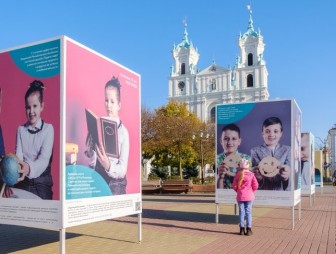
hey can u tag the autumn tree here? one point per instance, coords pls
(167, 134)
(148, 132)
(204, 143)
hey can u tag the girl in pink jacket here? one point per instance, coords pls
(245, 184)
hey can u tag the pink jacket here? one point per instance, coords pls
(248, 186)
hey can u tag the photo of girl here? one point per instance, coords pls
(113, 170)
(34, 146)
(272, 130)
(2, 145)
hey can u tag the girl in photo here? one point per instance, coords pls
(113, 170)
(34, 146)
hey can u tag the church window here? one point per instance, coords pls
(250, 80)
(250, 59)
(213, 84)
(213, 114)
(182, 68)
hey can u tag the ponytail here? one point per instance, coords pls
(241, 178)
(243, 164)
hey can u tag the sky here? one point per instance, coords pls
(299, 36)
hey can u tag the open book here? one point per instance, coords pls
(103, 131)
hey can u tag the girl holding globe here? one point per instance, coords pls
(34, 145)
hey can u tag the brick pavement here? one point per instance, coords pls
(185, 223)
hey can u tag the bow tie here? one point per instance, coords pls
(36, 131)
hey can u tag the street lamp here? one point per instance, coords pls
(325, 151)
(203, 136)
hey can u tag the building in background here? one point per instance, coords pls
(319, 160)
(203, 89)
(331, 140)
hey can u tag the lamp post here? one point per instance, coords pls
(325, 151)
(203, 136)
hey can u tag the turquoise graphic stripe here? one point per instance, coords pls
(231, 113)
(40, 61)
(84, 182)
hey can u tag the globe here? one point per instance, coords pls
(9, 169)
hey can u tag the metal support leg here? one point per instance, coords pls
(140, 227)
(62, 241)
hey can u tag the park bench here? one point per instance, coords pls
(176, 186)
(151, 186)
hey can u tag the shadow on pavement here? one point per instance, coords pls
(16, 238)
(199, 201)
(186, 216)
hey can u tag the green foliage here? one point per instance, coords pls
(158, 173)
(167, 134)
(209, 179)
(153, 177)
(196, 180)
(190, 172)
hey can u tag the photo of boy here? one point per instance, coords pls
(272, 130)
(230, 140)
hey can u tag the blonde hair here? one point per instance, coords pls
(244, 164)
(241, 178)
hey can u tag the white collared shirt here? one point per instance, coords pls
(118, 166)
(35, 149)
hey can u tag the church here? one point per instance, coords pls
(202, 90)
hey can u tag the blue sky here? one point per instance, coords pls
(299, 36)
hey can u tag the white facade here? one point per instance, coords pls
(203, 90)
(332, 145)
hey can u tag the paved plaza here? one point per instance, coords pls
(186, 223)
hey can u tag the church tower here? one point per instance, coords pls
(184, 69)
(203, 89)
(250, 71)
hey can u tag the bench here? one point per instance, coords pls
(176, 186)
(151, 186)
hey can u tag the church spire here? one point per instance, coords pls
(250, 29)
(185, 41)
(185, 34)
(250, 26)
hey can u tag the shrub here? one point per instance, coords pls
(157, 173)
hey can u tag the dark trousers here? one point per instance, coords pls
(118, 186)
(40, 186)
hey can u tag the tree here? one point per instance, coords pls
(205, 145)
(167, 135)
(190, 171)
(147, 132)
